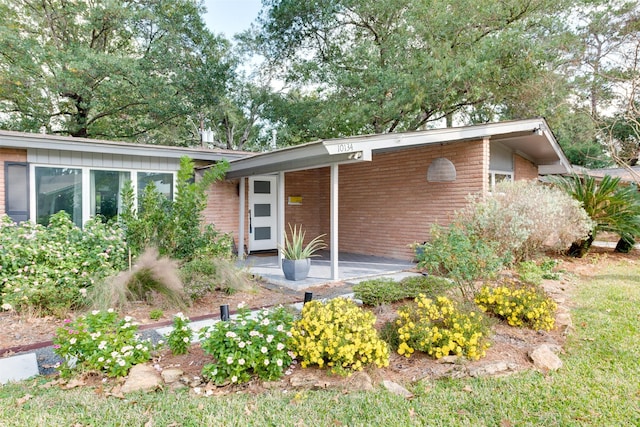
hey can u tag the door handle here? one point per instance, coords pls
(250, 222)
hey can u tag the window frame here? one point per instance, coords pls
(492, 177)
(86, 184)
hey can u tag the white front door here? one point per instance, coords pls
(263, 219)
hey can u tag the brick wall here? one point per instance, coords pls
(388, 204)
(524, 169)
(8, 155)
(223, 207)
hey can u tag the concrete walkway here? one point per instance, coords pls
(351, 267)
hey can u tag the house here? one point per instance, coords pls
(373, 194)
(43, 174)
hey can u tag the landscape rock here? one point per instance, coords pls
(396, 388)
(359, 381)
(142, 377)
(171, 375)
(493, 369)
(545, 359)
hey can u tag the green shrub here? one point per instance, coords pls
(339, 335)
(519, 306)
(386, 291)
(203, 275)
(179, 338)
(156, 314)
(247, 346)
(102, 342)
(455, 252)
(49, 270)
(523, 218)
(439, 328)
(175, 227)
(533, 272)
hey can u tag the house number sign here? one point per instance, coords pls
(345, 148)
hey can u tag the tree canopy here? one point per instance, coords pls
(108, 69)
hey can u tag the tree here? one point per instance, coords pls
(393, 65)
(613, 207)
(119, 70)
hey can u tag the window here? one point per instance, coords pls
(162, 181)
(496, 177)
(58, 189)
(106, 186)
(82, 192)
(17, 191)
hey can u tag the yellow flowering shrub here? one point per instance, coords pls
(519, 306)
(440, 328)
(339, 335)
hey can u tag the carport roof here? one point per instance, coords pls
(532, 139)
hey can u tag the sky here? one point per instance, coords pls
(230, 16)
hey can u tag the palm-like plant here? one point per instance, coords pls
(613, 207)
(294, 247)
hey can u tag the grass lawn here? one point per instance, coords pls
(599, 385)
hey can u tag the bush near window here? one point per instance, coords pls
(175, 227)
(440, 327)
(100, 341)
(48, 270)
(523, 218)
(518, 305)
(386, 291)
(246, 346)
(339, 335)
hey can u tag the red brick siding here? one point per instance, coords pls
(223, 207)
(8, 155)
(388, 204)
(314, 213)
(524, 169)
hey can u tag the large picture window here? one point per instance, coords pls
(58, 189)
(86, 193)
(106, 186)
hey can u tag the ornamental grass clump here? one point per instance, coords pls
(519, 306)
(247, 346)
(440, 328)
(100, 341)
(179, 338)
(339, 335)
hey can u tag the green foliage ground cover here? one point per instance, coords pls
(601, 356)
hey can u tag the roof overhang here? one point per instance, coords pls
(532, 139)
(22, 140)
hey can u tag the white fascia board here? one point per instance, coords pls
(555, 169)
(432, 136)
(51, 142)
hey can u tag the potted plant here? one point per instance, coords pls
(297, 255)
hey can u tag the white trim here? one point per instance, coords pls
(335, 250)
(86, 184)
(242, 210)
(492, 177)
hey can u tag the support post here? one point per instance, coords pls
(334, 222)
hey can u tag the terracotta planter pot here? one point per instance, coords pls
(296, 269)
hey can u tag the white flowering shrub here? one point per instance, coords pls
(102, 342)
(179, 338)
(525, 217)
(247, 346)
(48, 270)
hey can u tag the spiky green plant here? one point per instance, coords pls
(294, 247)
(612, 206)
